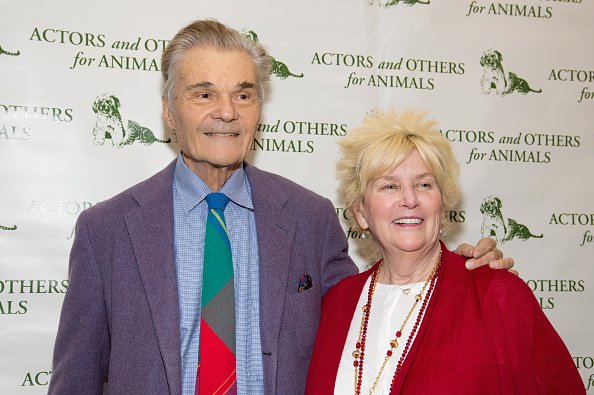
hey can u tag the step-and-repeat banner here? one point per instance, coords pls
(511, 85)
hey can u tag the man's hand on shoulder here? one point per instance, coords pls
(485, 253)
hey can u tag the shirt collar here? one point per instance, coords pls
(192, 190)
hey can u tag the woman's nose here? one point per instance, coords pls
(409, 198)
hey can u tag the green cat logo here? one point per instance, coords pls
(390, 3)
(495, 77)
(278, 68)
(2, 227)
(109, 125)
(494, 225)
(5, 52)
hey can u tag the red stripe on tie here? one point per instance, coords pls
(216, 371)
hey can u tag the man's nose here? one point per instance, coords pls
(225, 109)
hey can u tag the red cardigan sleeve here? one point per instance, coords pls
(530, 353)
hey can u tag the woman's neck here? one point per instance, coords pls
(401, 267)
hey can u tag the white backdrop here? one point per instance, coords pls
(527, 144)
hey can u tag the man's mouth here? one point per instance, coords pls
(221, 134)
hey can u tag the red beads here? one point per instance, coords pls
(359, 353)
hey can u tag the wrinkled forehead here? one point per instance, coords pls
(218, 65)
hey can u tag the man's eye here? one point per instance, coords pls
(204, 95)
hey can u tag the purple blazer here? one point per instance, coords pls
(119, 326)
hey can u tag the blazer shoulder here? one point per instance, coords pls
(277, 184)
(157, 186)
(288, 195)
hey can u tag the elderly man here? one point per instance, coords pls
(175, 289)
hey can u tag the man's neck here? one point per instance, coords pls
(213, 177)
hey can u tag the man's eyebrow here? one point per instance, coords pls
(200, 85)
(208, 85)
(246, 85)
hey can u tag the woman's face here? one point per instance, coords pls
(403, 208)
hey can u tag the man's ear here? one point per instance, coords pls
(167, 116)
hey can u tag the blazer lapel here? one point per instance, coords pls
(151, 231)
(276, 230)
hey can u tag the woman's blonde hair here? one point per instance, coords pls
(383, 141)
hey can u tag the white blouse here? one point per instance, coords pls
(389, 308)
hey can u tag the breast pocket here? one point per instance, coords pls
(305, 308)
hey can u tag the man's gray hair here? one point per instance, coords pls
(210, 33)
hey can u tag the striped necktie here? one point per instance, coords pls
(216, 367)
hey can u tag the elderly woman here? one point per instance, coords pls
(418, 322)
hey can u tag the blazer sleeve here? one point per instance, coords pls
(81, 351)
(336, 263)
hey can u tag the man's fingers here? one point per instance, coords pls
(485, 245)
(486, 259)
(465, 250)
(503, 263)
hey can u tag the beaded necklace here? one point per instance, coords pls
(359, 353)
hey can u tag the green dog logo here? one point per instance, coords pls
(494, 224)
(277, 68)
(390, 3)
(4, 52)
(2, 227)
(495, 77)
(109, 125)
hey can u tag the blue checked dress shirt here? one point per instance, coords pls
(189, 214)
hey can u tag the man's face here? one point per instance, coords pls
(216, 109)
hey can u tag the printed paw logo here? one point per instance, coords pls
(109, 125)
(5, 52)
(277, 68)
(494, 224)
(495, 77)
(2, 227)
(390, 3)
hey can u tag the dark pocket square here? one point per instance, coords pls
(305, 283)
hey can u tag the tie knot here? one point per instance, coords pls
(217, 200)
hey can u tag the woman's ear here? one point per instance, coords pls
(360, 216)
